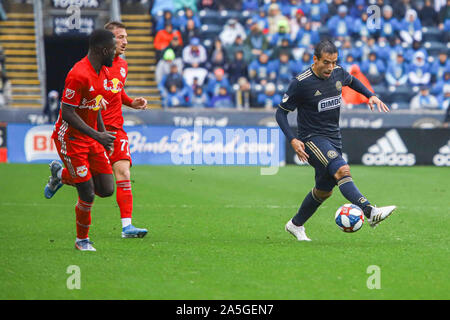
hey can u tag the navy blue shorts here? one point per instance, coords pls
(326, 158)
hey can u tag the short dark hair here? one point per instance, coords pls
(100, 38)
(324, 46)
(114, 24)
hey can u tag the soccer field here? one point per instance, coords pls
(218, 233)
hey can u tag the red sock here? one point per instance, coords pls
(124, 198)
(83, 214)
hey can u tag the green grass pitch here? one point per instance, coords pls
(218, 233)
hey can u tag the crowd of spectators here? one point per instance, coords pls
(242, 54)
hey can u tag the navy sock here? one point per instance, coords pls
(306, 210)
(352, 194)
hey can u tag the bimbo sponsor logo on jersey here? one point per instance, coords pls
(39, 144)
(329, 103)
(442, 158)
(389, 150)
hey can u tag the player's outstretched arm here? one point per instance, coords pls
(138, 103)
(374, 100)
(69, 115)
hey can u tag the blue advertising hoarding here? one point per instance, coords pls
(166, 145)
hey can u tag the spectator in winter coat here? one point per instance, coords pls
(194, 55)
(374, 69)
(341, 25)
(419, 73)
(230, 31)
(164, 37)
(397, 72)
(410, 28)
(222, 99)
(424, 100)
(269, 99)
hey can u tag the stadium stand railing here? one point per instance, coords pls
(140, 56)
(18, 39)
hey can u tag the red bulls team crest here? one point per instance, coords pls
(123, 73)
(114, 85)
(82, 171)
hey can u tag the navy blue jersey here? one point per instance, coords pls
(318, 103)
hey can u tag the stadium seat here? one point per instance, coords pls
(359, 106)
(400, 94)
(231, 14)
(380, 90)
(281, 88)
(210, 31)
(434, 47)
(210, 17)
(234, 88)
(400, 106)
(257, 88)
(323, 32)
(431, 34)
(208, 44)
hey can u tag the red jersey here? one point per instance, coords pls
(83, 89)
(115, 94)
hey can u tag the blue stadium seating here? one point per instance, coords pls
(434, 42)
(399, 106)
(210, 17)
(431, 34)
(434, 47)
(397, 94)
(210, 31)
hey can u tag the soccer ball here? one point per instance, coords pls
(349, 218)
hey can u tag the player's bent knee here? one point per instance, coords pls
(122, 170)
(343, 171)
(105, 192)
(322, 195)
(86, 191)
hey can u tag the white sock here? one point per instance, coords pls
(126, 222)
(59, 173)
(81, 239)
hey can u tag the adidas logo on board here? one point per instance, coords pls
(443, 157)
(389, 150)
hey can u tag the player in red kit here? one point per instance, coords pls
(80, 136)
(112, 117)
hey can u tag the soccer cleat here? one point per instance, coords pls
(84, 245)
(131, 231)
(297, 231)
(54, 183)
(379, 214)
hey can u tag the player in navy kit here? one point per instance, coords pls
(317, 95)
